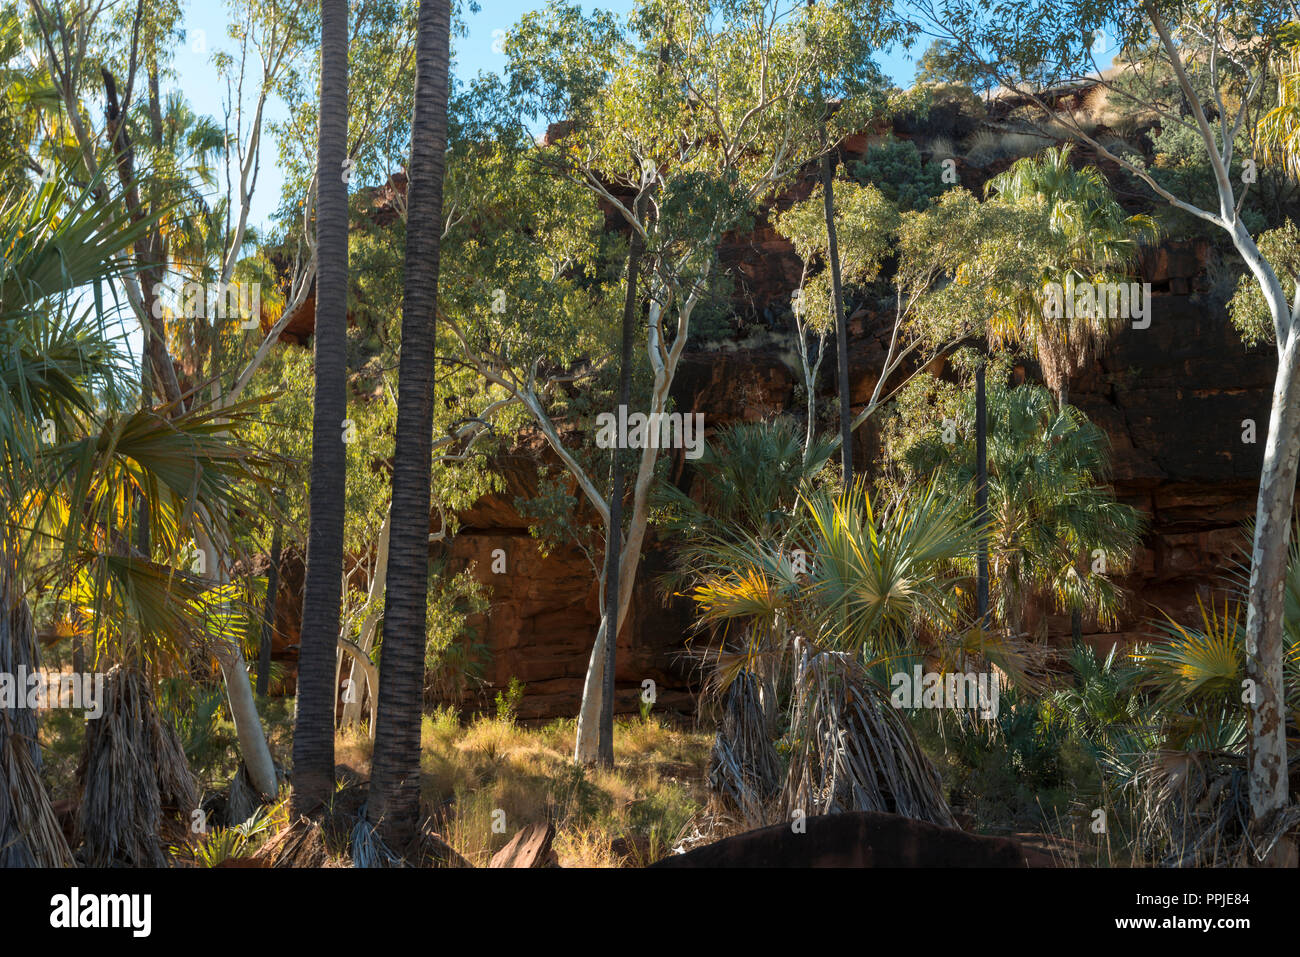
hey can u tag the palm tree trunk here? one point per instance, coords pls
(313, 738)
(841, 321)
(243, 713)
(1076, 613)
(394, 802)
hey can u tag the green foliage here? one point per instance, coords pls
(1057, 531)
(1102, 708)
(1183, 167)
(752, 474)
(1087, 235)
(1193, 665)
(1249, 310)
(507, 700)
(865, 222)
(895, 168)
(223, 843)
(196, 712)
(944, 62)
(454, 658)
(873, 577)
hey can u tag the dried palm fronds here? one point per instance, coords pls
(1193, 810)
(369, 849)
(301, 844)
(852, 751)
(242, 799)
(30, 835)
(132, 767)
(744, 769)
(18, 649)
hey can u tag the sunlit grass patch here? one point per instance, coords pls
(493, 777)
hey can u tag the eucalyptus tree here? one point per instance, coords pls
(864, 223)
(956, 263)
(154, 158)
(882, 31)
(1208, 71)
(681, 118)
(313, 739)
(117, 51)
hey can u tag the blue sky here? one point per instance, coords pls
(205, 24)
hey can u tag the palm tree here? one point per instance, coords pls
(876, 579)
(313, 738)
(1279, 128)
(841, 321)
(74, 466)
(1095, 237)
(394, 802)
(751, 476)
(1048, 502)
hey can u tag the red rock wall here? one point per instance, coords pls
(1171, 397)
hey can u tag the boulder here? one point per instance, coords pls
(856, 839)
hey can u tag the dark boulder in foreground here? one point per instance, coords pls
(857, 839)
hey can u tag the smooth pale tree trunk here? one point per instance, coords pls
(982, 496)
(1266, 604)
(841, 321)
(394, 804)
(248, 727)
(614, 540)
(268, 614)
(586, 745)
(239, 692)
(358, 675)
(586, 749)
(313, 737)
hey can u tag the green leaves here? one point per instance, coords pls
(1057, 531)
(53, 242)
(865, 225)
(1248, 309)
(880, 578)
(1197, 663)
(868, 580)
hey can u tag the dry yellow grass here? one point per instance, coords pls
(491, 777)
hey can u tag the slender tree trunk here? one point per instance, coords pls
(1269, 784)
(982, 496)
(239, 690)
(614, 539)
(841, 321)
(313, 738)
(394, 803)
(369, 627)
(243, 712)
(586, 750)
(268, 615)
